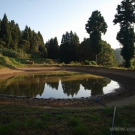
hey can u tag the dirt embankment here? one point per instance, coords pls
(124, 95)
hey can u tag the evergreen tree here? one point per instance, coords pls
(107, 57)
(15, 34)
(56, 54)
(0, 25)
(52, 48)
(35, 42)
(25, 34)
(2, 43)
(41, 39)
(24, 45)
(95, 26)
(126, 17)
(43, 51)
(84, 51)
(5, 34)
(68, 47)
(32, 39)
(25, 39)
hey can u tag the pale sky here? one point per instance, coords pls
(54, 17)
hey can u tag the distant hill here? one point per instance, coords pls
(118, 56)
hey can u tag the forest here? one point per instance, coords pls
(28, 44)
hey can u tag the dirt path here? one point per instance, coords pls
(123, 96)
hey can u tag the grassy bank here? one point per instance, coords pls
(17, 119)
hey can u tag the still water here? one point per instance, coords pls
(57, 85)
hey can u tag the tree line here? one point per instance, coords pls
(70, 49)
(28, 40)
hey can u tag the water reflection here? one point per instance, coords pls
(71, 88)
(44, 86)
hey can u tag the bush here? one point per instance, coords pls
(93, 63)
(49, 61)
(75, 63)
(12, 53)
(86, 62)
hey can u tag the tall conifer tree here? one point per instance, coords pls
(15, 34)
(126, 17)
(95, 26)
(5, 33)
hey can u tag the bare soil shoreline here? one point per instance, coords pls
(123, 96)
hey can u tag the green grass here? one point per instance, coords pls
(92, 122)
(19, 61)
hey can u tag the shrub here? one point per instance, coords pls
(93, 63)
(86, 62)
(49, 61)
(75, 63)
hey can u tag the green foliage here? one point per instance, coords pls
(84, 123)
(77, 127)
(73, 121)
(5, 33)
(43, 51)
(84, 51)
(49, 61)
(10, 62)
(93, 63)
(107, 58)
(67, 51)
(15, 35)
(125, 17)
(85, 54)
(12, 53)
(52, 48)
(75, 63)
(95, 26)
(96, 23)
(86, 62)
(27, 40)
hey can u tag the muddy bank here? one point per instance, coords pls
(124, 95)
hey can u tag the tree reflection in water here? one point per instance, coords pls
(33, 85)
(22, 86)
(71, 88)
(95, 85)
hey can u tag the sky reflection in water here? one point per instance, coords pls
(57, 86)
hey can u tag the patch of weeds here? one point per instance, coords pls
(39, 124)
(121, 120)
(94, 117)
(26, 124)
(45, 116)
(78, 128)
(59, 116)
(15, 124)
(108, 111)
(5, 130)
(104, 131)
(73, 121)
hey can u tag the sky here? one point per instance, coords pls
(54, 17)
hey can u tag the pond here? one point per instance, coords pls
(65, 85)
